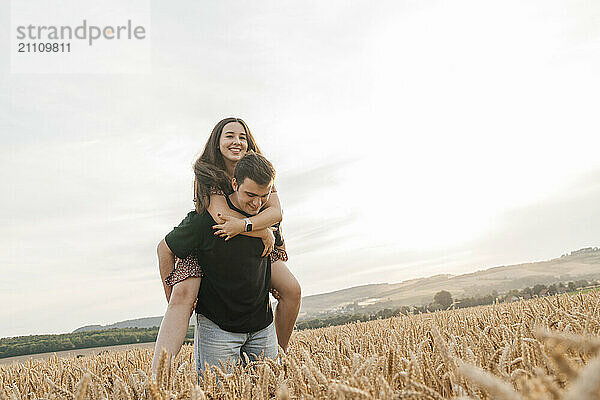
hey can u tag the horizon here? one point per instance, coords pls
(594, 248)
(410, 139)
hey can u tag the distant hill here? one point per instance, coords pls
(148, 322)
(579, 264)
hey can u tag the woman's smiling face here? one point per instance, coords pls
(233, 142)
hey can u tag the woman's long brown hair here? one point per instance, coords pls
(209, 168)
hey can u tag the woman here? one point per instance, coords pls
(229, 141)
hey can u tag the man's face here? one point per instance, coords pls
(250, 195)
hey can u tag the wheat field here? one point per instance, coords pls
(544, 348)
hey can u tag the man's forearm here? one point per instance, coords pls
(166, 264)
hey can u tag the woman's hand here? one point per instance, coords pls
(229, 227)
(268, 240)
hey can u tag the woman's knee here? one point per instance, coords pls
(291, 290)
(296, 290)
(285, 282)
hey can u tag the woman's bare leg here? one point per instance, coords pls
(175, 323)
(288, 307)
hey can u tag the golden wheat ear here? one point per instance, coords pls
(587, 385)
(154, 391)
(82, 387)
(498, 388)
(197, 393)
(282, 392)
(585, 343)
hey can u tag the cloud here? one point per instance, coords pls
(567, 220)
(308, 235)
(308, 181)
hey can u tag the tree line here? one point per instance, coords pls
(35, 344)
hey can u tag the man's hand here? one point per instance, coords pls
(275, 294)
(269, 241)
(229, 227)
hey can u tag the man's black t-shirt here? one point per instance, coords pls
(234, 291)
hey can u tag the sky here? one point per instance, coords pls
(410, 138)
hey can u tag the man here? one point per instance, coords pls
(233, 312)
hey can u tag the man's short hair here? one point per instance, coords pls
(256, 167)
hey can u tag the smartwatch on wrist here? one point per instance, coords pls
(248, 225)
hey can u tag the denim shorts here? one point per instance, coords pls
(212, 344)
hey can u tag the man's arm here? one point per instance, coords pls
(166, 264)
